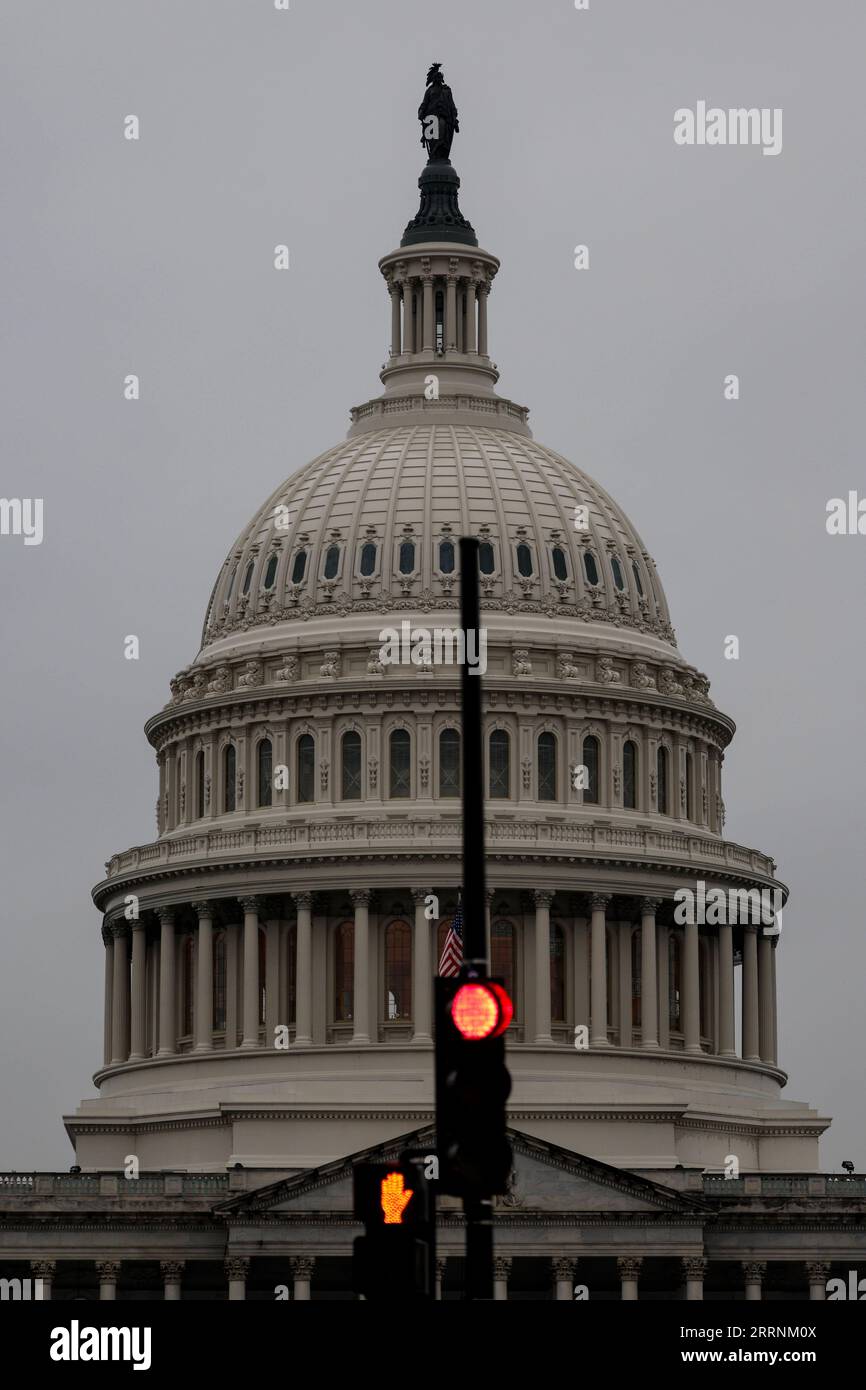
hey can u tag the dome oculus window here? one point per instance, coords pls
(407, 557)
(616, 570)
(332, 562)
(486, 558)
(524, 561)
(446, 557)
(590, 567)
(368, 559)
(299, 566)
(560, 568)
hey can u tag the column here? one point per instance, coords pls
(483, 292)
(765, 997)
(204, 979)
(236, 1273)
(232, 954)
(108, 939)
(628, 1269)
(108, 1273)
(251, 972)
(649, 985)
(408, 317)
(272, 978)
(451, 313)
(138, 995)
(304, 970)
(581, 973)
(44, 1271)
(167, 1039)
(501, 1271)
(361, 1002)
(471, 339)
(726, 991)
(598, 1000)
(818, 1272)
(172, 1273)
(422, 971)
(625, 983)
(427, 319)
(120, 996)
(750, 995)
(663, 967)
(302, 1276)
(563, 1278)
(753, 1272)
(394, 291)
(774, 1005)
(542, 966)
(441, 1262)
(694, 1269)
(691, 988)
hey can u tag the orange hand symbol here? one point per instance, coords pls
(395, 1198)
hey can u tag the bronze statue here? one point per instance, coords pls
(438, 116)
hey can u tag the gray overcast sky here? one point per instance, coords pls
(259, 127)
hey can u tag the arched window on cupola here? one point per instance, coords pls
(399, 756)
(500, 765)
(398, 971)
(662, 761)
(229, 777)
(547, 767)
(265, 784)
(449, 763)
(306, 778)
(590, 762)
(629, 775)
(344, 972)
(486, 558)
(351, 766)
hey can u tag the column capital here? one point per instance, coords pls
(108, 1271)
(172, 1270)
(598, 901)
(489, 894)
(542, 898)
(236, 1267)
(204, 907)
(119, 928)
(629, 1266)
(695, 1266)
(302, 900)
(817, 1270)
(43, 1269)
(361, 896)
(650, 906)
(564, 1266)
(501, 1266)
(441, 1265)
(302, 1266)
(106, 932)
(419, 895)
(166, 915)
(754, 1270)
(249, 903)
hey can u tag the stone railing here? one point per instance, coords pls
(260, 838)
(785, 1185)
(114, 1185)
(397, 405)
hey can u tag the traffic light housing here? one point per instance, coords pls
(472, 1086)
(395, 1258)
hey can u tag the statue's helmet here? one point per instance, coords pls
(435, 73)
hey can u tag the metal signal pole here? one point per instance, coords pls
(477, 1210)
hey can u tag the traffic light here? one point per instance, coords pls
(472, 1086)
(395, 1259)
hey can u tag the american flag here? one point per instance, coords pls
(452, 951)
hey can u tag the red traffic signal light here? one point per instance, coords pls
(481, 1010)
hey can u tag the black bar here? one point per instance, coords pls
(474, 895)
(479, 1249)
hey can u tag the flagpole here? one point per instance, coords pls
(474, 890)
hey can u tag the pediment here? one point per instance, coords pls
(546, 1179)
